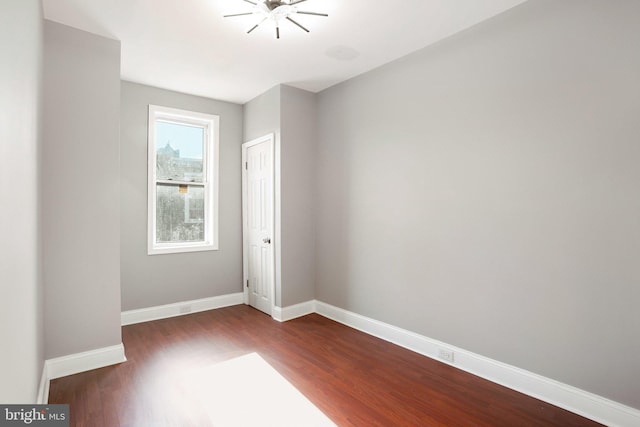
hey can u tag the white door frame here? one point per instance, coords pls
(245, 241)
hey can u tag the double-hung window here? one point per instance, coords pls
(183, 181)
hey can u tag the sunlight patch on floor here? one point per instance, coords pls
(247, 391)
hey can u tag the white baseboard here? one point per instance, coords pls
(43, 389)
(179, 309)
(581, 402)
(85, 361)
(293, 311)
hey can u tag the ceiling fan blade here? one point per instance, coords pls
(256, 26)
(277, 32)
(252, 2)
(289, 19)
(295, 2)
(312, 13)
(237, 14)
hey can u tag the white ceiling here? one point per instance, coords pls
(187, 46)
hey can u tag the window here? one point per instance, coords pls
(183, 181)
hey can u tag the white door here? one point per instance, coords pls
(258, 214)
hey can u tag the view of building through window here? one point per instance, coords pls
(176, 220)
(179, 206)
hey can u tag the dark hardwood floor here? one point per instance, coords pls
(354, 378)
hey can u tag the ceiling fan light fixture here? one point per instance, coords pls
(275, 11)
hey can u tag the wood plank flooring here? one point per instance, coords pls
(355, 379)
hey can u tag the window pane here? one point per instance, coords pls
(179, 152)
(179, 213)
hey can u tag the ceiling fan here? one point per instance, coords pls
(276, 11)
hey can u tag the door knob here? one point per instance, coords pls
(266, 240)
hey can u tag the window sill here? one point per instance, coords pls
(163, 250)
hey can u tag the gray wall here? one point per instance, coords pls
(262, 115)
(162, 279)
(484, 192)
(297, 157)
(21, 323)
(80, 191)
(290, 114)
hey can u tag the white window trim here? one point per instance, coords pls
(210, 179)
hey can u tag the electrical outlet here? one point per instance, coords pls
(185, 309)
(445, 355)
